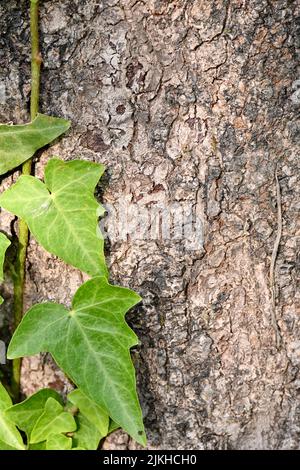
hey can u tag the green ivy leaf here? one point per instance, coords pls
(87, 435)
(19, 143)
(92, 421)
(59, 442)
(63, 214)
(4, 244)
(10, 438)
(54, 420)
(93, 412)
(26, 414)
(91, 344)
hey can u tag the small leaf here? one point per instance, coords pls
(59, 442)
(10, 438)
(93, 412)
(19, 143)
(91, 344)
(26, 414)
(87, 435)
(54, 420)
(4, 244)
(62, 214)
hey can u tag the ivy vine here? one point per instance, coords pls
(91, 341)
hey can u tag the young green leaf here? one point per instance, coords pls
(10, 438)
(54, 420)
(63, 214)
(4, 244)
(91, 344)
(26, 413)
(93, 412)
(58, 442)
(87, 435)
(19, 143)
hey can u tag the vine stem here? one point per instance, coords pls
(19, 282)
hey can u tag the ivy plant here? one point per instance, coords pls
(49, 423)
(10, 437)
(90, 341)
(20, 142)
(63, 205)
(91, 344)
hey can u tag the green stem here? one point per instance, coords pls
(19, 283)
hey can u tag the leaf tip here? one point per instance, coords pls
(142, 438)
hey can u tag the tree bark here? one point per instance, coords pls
(189, 104)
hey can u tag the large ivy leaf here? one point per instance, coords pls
(54, 420)
(93, 412)
(4, 244)
(19, 143)
(63, 214)
(26, 413)
(10, 438)
(91, 344)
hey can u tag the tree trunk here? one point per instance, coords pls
(192, 106)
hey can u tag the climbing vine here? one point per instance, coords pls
(91, 341)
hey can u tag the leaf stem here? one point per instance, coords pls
(19, 282)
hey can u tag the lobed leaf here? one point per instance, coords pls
(25, 414)
(62, 213)
(10, 438)
(91, 344)
(20, 142)
(4, 244)
(54, 420)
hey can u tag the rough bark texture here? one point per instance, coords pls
(187, 101)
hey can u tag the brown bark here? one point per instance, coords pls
(192, 102)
